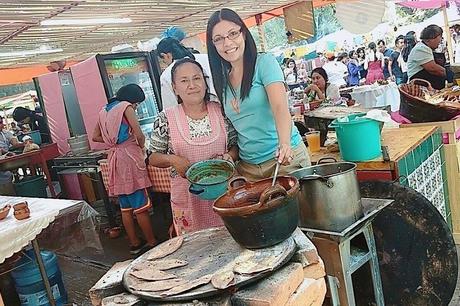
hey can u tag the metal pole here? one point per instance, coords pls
(41, 266)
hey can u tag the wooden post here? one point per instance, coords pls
(261, 32)
(448, 36)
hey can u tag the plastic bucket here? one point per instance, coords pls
(31, 186)
(359, 138)
(29, 284)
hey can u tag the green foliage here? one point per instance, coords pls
(408, 15)
(325, 21)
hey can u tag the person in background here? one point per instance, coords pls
(386, 57)
(251, 89)
(193, 131)
(29, 144)
(353, 69)
(409, 42)
(118, 127)
(361, 62)
(35, 121)
(7, 141)
(321, 89)
(394, 67)
(336, 70)
(303, 75)
(14, 128)
(290, 74)
(374, 65)
(421, 63)
(170, 50)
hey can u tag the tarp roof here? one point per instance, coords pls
(20, 27)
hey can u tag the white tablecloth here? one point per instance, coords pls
(369, 96)
(16, 234)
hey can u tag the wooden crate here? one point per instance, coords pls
(452, 155)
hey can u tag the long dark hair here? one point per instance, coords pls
(373, 47)
(220, 68)
(177, 64)
(295, 67)
(409, 43)
(173, 46)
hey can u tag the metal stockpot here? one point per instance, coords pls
(329, 197)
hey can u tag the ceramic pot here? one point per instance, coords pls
(21, 214)
(20, 205)
(258, 215)
(4, 211)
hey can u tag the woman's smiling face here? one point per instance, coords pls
(228, 40)
(189, 83)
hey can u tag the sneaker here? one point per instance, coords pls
(134, 250)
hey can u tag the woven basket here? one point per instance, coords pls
(415, 108)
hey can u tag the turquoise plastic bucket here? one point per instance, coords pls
(29, 284)
(359, 138)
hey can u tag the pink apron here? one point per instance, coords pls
(190, 213)
(127, 169)
(374, 72)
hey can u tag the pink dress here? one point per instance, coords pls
(374, 72)
(127, 169)
(190, 213)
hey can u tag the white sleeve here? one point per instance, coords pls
(168, 98)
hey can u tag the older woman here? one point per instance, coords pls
(251, 88)
(192, 131)
(421, 63)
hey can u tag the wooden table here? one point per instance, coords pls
(416, 159)
(46, 152)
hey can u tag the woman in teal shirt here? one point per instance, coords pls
(251, 88)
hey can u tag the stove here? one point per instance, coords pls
(81, 163)
(86, 164)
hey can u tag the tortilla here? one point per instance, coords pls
(152, 275)
(222, 279)
(165, 248)
(188, 286)
(167, 264)
(252, 266)
(160, 285)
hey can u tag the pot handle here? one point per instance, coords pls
(271, 191)
(234, 180)
(312, 177)
(326, 158)
(193, 190)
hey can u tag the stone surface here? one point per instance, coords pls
(306, 253)
(311, 292)
(110, 284)
(315, 271)
(123, 299)
(274, 290)
(223, 300)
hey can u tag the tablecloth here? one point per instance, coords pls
(377, 95)
(16, 234)
(160, 177)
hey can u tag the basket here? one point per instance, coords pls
(415, 108)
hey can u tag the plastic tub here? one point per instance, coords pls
(29, 284)
(359, 138)
(31, 186)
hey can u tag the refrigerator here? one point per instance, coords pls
(141, 68)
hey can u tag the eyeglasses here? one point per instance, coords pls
(232, 35)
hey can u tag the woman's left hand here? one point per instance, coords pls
(284, 154)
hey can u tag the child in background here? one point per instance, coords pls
(29, 144)
(118, 127)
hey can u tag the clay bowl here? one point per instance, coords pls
(21, 214)
(4, 211)
(20, 205)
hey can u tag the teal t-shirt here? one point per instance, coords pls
(255, 124)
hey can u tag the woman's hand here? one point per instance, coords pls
(226, 156)
(181, 164)
(284, 154)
